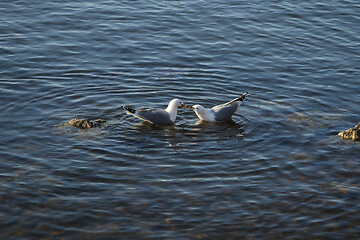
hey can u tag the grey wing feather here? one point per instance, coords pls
(224, 112)
(157, 116)
(241, 99)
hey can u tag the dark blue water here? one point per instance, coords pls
(277, 171)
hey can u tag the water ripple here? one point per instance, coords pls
(277, 169)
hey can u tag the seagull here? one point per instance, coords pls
(157, 116)
(219, 113)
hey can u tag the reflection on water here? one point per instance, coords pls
(217, 126)
(277, 170)
(181, 133)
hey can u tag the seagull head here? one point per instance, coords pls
(198, 108)
(176, 103)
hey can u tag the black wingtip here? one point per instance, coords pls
(242, 98)
(129, 109)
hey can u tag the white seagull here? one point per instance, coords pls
(158, 116)
(219, 113)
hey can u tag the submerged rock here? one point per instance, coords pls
(85, 124)
(351, 134)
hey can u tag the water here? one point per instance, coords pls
(277, 171)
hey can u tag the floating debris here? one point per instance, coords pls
(86, 124)
(351, 134)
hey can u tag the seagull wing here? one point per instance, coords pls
(224, 112)
(156, 116)
(242, 98)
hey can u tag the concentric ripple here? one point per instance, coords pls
(277, 170)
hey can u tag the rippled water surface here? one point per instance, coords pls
(278, 170)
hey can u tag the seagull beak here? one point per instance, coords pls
(186, 106)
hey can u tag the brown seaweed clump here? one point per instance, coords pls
(351, 134)
(85, 124)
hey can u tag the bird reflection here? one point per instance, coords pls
(181, 135)
(145, 125)
(217, 125)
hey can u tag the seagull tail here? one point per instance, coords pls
(130, 110)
